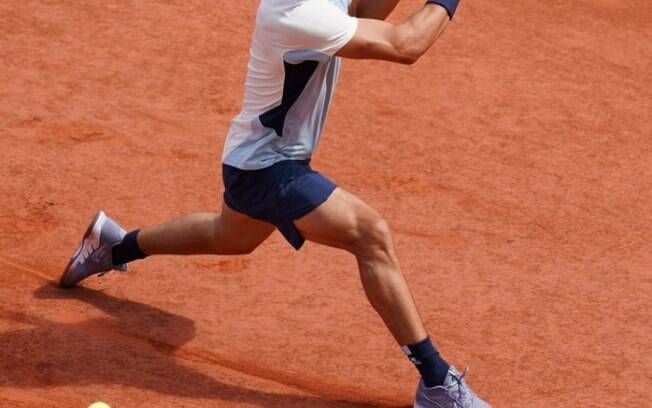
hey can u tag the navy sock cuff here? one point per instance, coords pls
(426, 358)
(127, 250)
(421, 350)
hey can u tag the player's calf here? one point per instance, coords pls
(227, 233)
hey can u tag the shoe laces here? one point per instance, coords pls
(459, 392)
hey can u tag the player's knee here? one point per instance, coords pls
(222, 243)
(375, 238)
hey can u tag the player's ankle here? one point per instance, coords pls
(432, 367)
(127, 250)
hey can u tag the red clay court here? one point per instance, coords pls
(520, 196)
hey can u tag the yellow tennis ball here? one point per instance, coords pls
(99, 404)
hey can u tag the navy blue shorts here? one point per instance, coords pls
(279, 194)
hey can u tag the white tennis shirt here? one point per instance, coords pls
(291, 78)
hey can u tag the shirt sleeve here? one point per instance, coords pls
(318, 25)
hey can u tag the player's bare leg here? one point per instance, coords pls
(346, 222)
(228, 233)
(106, 246)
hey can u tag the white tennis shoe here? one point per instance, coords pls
(455, 393)
(94, 253)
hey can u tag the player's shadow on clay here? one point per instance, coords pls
(136, 347)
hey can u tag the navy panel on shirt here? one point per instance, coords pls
(297, 77)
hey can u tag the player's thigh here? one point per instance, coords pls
(240, 233)
(345, 221)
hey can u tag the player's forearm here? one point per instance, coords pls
(422, 29)
(404, 43)
(376, 9)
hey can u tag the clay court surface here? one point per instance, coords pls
(514, 164)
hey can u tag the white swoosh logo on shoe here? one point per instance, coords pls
(87, 249)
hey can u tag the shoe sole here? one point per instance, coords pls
(88, 232)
